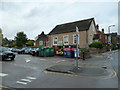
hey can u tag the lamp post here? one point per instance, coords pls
(109, 36)
(109, 28)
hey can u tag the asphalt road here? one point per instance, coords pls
(27, 71)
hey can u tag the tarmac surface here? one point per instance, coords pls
(30, 72)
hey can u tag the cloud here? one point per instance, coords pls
(35, 17)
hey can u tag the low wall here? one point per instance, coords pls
(95, 50)
(86, 55)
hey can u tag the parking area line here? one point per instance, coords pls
(21, 82)
(3, 74)
(27, 80)
(30, 77)
(43, 59)
(60, 61)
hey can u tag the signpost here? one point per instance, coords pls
(77, 33)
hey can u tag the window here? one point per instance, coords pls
(55, 40)
(41, 43)
(66, 40)
(74, 39)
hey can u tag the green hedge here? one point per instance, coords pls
(96, 45)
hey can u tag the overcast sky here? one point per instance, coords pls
(35, 17)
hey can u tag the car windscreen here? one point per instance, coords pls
(2, 49)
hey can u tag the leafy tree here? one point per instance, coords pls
(5, 41)
(30, 43)
(21, 39)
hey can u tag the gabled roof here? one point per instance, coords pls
(42, 37)
(71, 27)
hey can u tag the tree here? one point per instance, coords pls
(21, 39)
(30, 43)
(5, 41)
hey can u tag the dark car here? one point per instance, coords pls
(6, 54)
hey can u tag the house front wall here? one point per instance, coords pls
(102, 37)
(91, 32)
(82, 38)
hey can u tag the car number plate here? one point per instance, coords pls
(9, 56)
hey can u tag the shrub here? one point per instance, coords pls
(96, 45)
(84, 50)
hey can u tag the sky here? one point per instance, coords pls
(33, 17)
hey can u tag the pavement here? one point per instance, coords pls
(84, 69)
(30, 72)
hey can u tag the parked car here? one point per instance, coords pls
(34, 51)
(28, 50)
(21, 51)
(6, 54)
(14, 49)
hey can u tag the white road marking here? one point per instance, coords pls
(31, 77)
(21, 82)
(3, 74)
(27, 60)
(60, 61)
(42, 59)
(27, 80)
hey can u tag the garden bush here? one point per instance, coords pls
(96, 45)
(84, 50)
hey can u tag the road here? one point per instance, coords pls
(27, 71)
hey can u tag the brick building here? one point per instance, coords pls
(65, 34)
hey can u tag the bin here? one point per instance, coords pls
(40, 46)
(65, 49)
(69, 51)
(42, 52)
(56, 51)
(40, 49)
(51, 51)
(69, 54)
(46, 52)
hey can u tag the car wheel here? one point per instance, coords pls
(3, 59)
(12, 58)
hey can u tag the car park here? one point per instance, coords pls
(6, 54)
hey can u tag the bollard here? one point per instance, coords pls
(83, 55)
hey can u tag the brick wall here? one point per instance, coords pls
(82, 38)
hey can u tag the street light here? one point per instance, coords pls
(109, 28)
(109, 36)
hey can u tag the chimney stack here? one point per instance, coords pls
(97, 27)
(102, 30)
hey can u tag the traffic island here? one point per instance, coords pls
(83, 71)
